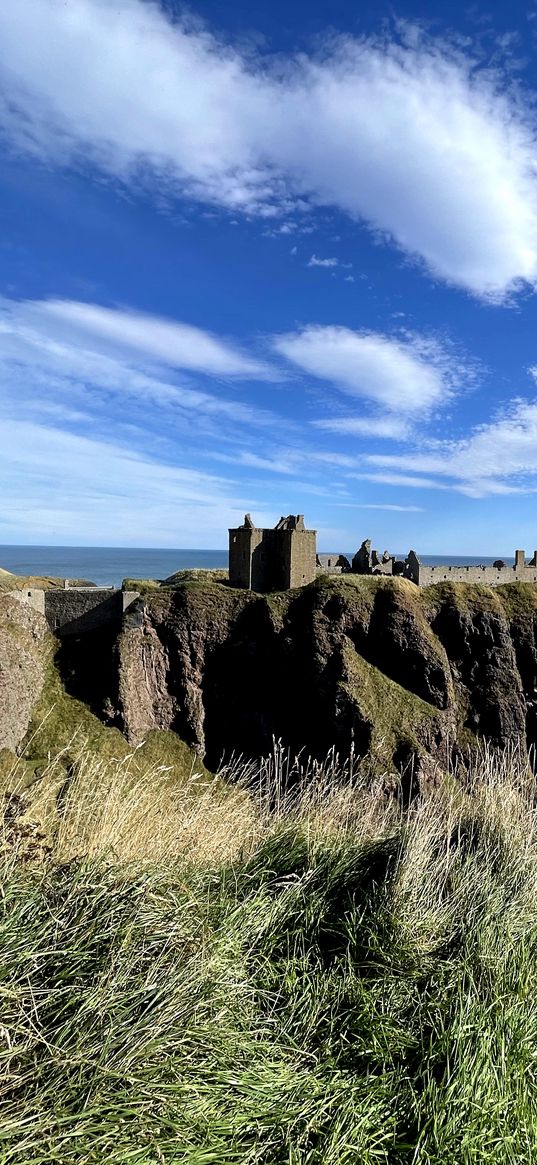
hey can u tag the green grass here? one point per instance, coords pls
(315, 979)
(396, 715)
(63, 734)
(20, 582)
(180, 578)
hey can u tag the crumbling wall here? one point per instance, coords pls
(490, 576)
(333, 564)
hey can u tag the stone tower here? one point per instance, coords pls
(272, 560)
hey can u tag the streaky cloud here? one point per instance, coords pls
(411, 137)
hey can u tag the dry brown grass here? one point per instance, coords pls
(147, 814)
(136, 812)
(279, 964)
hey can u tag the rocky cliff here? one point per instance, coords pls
(365, 663)
(22, 668)
(370, 664)
(55, 702)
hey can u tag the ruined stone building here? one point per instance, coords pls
(368, 561)
(285, 557)
(491, 576)
(272, 559)
(333, 564)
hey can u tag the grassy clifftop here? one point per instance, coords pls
(370, 664)
(21, 582)
(44, 730)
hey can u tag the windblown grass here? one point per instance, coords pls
(283, 969)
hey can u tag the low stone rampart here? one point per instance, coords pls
(77, 610)
(490, 576)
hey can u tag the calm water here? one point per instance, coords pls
(108, 566)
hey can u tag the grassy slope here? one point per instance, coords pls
(62, 729)
(196, 977)
(19, 582)
(397, 715)
(395, 712)
(342, 987)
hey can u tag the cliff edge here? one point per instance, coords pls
(370, 664)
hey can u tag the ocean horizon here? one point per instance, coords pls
(109, 565)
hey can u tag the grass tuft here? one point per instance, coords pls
(278, 966)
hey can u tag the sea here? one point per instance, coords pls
(109, 565)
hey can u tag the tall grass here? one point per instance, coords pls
(279, 967)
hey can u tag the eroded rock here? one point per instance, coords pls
(22, 667)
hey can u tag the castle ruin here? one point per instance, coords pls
(490, 576)
(368, 561)
(272, 559)
(286, 557)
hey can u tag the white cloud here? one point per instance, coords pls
(404, 376)
(390, 427)
(497, 458)
(316, 262)
(286, 464)
(45, 352)
(177, 344)
(382, 506)
(288, 461)
(411, 138)
(71, 488)
(403, 479)
(341, 460)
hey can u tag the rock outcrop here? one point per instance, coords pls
(22, 668)
(370, 664)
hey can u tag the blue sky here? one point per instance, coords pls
(270, 258)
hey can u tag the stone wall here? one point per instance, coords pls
(333, 564)
(489, 575)
(255, 561)
(34, 598)
(301, 553)
(77, 610)
(240, 556)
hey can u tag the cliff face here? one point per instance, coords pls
(22, 668)
(366, 663)
(56, 700)
(369, 664)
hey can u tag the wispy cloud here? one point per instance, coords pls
(315, 261)
(408, 136)
(390, 427)
(382, 506)
(289, 461)
(497, 458)
(402, 479)
(74, 488)
(172, 342)
(287, 464)
(48, 354)
(406, 377)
